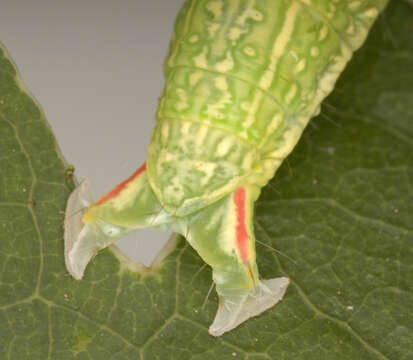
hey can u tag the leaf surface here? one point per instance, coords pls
(337, 219)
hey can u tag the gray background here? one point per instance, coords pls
(96, 69)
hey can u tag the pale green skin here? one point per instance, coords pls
(243, 78)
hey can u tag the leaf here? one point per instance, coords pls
(339, 214)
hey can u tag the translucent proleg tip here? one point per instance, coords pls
(79, 201)
(235, 309)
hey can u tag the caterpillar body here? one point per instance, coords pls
(243, 78)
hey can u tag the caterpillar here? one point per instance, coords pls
(243, 78)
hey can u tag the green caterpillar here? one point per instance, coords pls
(243, 78)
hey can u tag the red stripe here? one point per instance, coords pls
(241, 230)
(118, 189)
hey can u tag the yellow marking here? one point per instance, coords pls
(214, 110)
(329, 78)
(226, 236)
(249, 13)
(307, 2)
(186, 125)
(326, 83)
(317, 111)
(193, 39)
(235, 33)
(354, 5)
(371, 13)
(183, 99)
(300, 66)
(128, 195)
(203, 132)
(221, 83)
(315, 51)
(185, 30)
(253, 108)
(248, 50)
(212, 29)
(351, 28)
(225, 65)
(275, 123)
(215, 7)
(291, 94)
(223, 147)
(195, 77)
(200, 60)
(290, 138)
(277, 51)
(323, 32)
(280, 45)
(87, 217)
(248, 161)
(208, 168)
(256, 15)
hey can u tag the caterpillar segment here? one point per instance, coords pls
(243, 78)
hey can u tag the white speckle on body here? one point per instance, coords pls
(294, 55)
(300, 66)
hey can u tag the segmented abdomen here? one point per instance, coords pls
(258, 70)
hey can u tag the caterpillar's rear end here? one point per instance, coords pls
(243, 78)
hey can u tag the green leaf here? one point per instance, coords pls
(339, 214)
